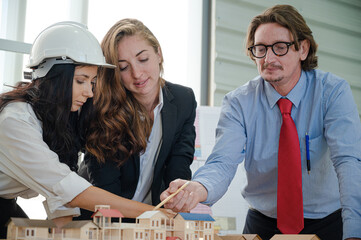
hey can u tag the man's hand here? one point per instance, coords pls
(186, 199)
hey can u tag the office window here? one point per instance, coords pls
(176, 24)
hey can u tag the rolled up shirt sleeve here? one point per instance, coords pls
(65, 192)
(61, 211)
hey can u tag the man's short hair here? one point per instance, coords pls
(288, 17)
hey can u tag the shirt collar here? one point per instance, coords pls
(294, 95)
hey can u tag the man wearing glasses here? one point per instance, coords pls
(298, 132)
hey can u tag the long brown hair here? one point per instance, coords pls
(51, 98)
(121, 125)
(288, 17)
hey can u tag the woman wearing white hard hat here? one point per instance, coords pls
(42, 124)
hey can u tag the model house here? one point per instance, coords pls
(102, 217)
(151, 225)
(241, 237)
(193, 226)
(22, 228)
(295, 237)
(233, 237)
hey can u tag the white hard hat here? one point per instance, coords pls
(65, 42)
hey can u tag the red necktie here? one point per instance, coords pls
(289, 189)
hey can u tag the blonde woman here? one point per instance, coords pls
(142, 136)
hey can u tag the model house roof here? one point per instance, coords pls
(109, 213)
(24, 222)
(241, 237)
(196, 216)
(78, 224)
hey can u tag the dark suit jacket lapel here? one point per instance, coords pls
(169, 117)
(136, 160)
(130, 174)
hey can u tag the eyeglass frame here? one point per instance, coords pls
(288, 44)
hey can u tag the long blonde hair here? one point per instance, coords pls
(121, 125)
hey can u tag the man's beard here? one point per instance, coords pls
(273, 80)
(264, 66)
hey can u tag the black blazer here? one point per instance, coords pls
(175, 156)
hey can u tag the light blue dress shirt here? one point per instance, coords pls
(249, 127)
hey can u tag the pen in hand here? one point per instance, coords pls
(171, 196)
(308, 153)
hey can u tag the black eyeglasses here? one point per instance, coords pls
(278, 48)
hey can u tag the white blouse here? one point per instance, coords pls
(149, 158)
(28, 167)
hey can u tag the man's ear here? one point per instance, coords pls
(304, 49)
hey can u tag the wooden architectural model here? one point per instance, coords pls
(275, 237)
(23, 228)
(151, 225)
(295, 237)
(241, 237)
